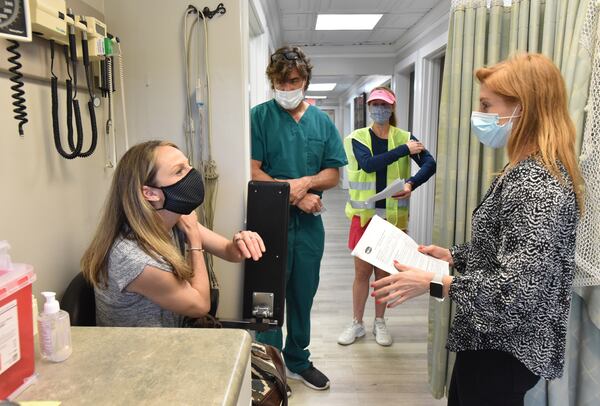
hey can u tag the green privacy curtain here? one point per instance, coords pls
(483, 33)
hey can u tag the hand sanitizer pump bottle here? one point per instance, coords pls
(54, 330)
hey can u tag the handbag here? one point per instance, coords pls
(206, 321)
(269, 383)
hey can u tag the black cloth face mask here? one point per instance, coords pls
(185, 195)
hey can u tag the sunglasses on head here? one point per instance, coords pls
(290, 56)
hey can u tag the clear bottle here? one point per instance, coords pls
(54, 328)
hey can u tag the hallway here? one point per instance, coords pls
(364, 372)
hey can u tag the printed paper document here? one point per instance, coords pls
(393, 188)
(382, 243)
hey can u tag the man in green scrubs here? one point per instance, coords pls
(297, 143)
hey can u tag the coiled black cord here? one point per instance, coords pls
(91, 109)
(75, 146)
(75, 149)
(20, 109)
(73, 57)
(69, 84)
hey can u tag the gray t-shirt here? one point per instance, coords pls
(115, 306)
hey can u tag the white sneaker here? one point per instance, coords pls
(351, 333)
(382, 335)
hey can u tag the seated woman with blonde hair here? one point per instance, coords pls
(135, 263)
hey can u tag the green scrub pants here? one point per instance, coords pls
(306, 238)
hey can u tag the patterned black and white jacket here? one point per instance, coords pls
(514, 290)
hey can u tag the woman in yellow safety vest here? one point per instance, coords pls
(377, 156)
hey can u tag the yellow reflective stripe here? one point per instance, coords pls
(359, 204)
(380, 212)
(403, 202)
(362, 185)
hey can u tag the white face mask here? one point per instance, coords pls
(289, 100)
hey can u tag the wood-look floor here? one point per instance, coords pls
(363, 373)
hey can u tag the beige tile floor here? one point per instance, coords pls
(363, 373)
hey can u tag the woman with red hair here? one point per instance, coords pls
(513, 292)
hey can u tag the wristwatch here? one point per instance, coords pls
(436, 287)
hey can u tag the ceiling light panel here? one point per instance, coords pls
(330, 22)
(321, 87)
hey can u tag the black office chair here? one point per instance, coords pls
(79, 302)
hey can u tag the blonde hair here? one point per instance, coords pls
(128, 214)
(545, 127)
(387, 89)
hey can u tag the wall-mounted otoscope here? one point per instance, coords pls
(81, 38)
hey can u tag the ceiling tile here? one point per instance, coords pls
(422, 5)
(402, 20)
(395, 6)
(298, 37)
(295, 6)
(293, 21)
(386, 36)
(352, 6)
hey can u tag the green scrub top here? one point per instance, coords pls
(291, 150)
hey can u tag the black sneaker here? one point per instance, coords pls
(312, 377)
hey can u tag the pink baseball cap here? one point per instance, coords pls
(380, 94)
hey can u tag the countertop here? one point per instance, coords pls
(120, 365)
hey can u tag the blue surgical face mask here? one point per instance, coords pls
(380, 113)
(490, 133)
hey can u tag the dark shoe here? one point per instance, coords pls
(288, 390)
(312, 377)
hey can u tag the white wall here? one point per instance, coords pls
(360, 65)
(420, 50)
(333, 109)
(49, 205)
(96, 4)
(262, 44)
(270, 18)
(426, 65)
(152, 40)
(260, 88)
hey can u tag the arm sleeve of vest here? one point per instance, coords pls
(370, 163)
(427, 167)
